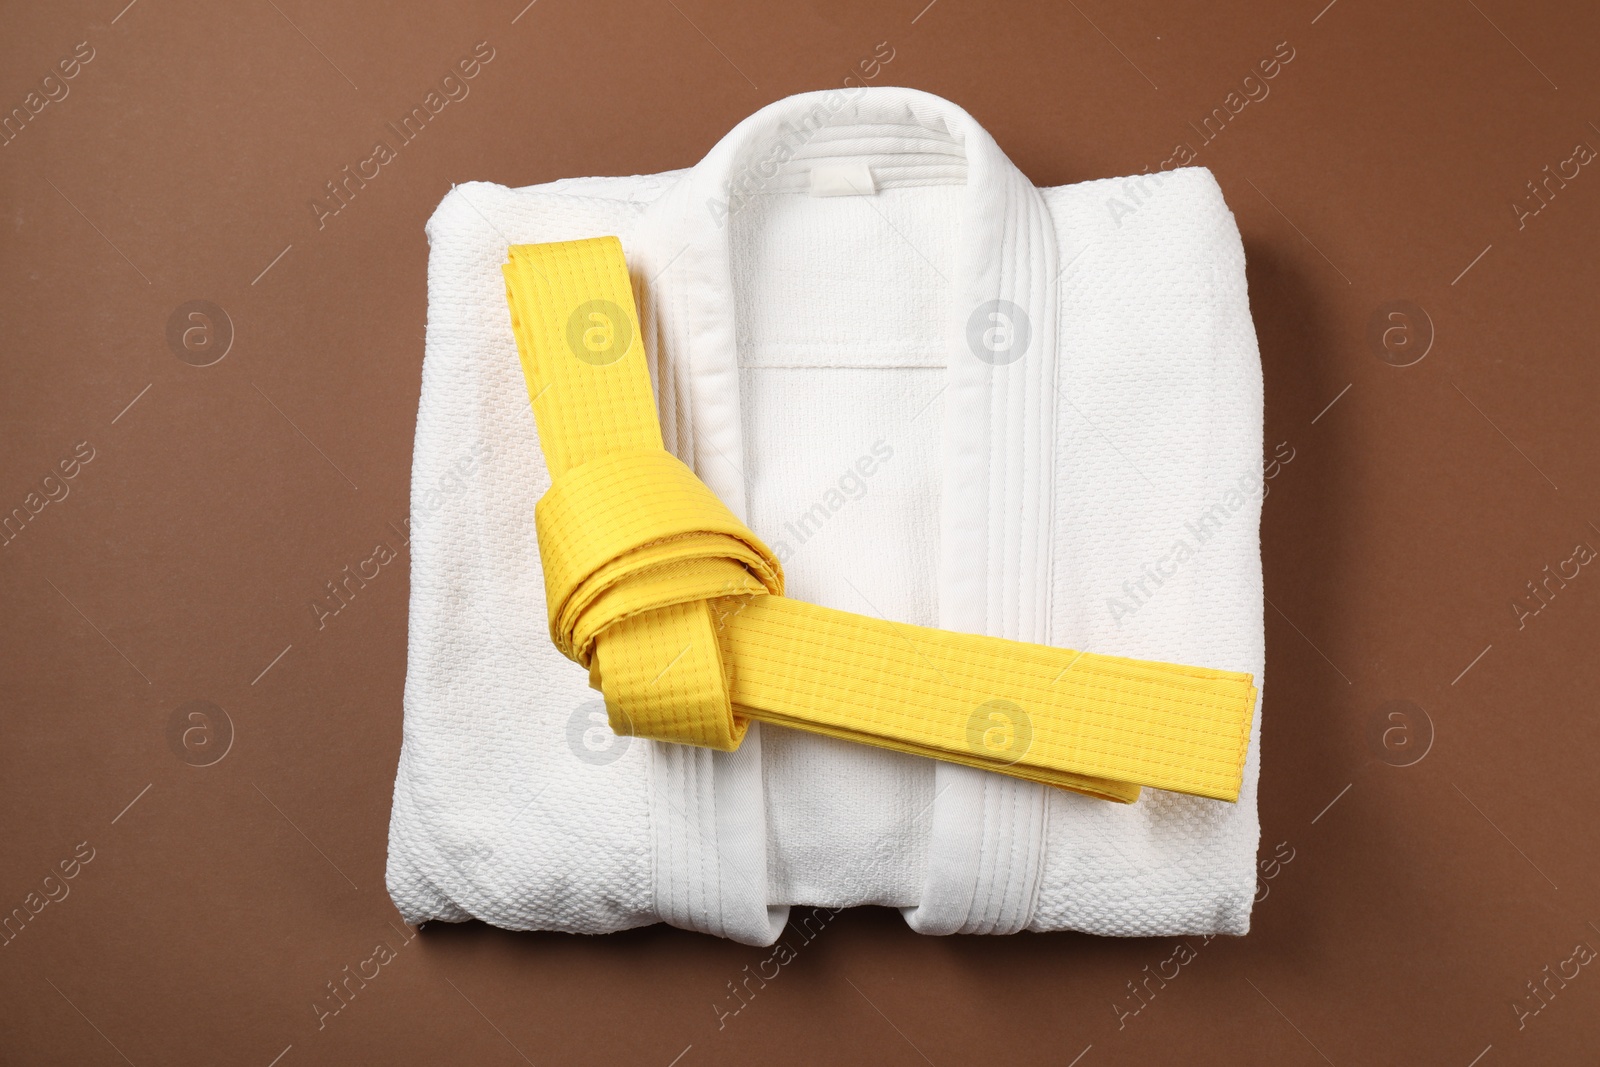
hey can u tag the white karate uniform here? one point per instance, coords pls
(943, 396)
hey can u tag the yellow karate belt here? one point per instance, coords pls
(677, 609)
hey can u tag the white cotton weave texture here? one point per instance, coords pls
(942, 396)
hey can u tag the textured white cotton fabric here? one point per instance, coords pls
(834, 368)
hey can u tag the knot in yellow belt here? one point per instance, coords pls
(676, 608)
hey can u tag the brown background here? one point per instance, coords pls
(1414, 909)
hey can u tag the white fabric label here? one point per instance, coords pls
(842, 179)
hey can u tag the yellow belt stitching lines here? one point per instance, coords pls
(677, 609)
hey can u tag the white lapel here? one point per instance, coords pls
(988, 831)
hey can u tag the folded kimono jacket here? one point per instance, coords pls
(943, 397)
